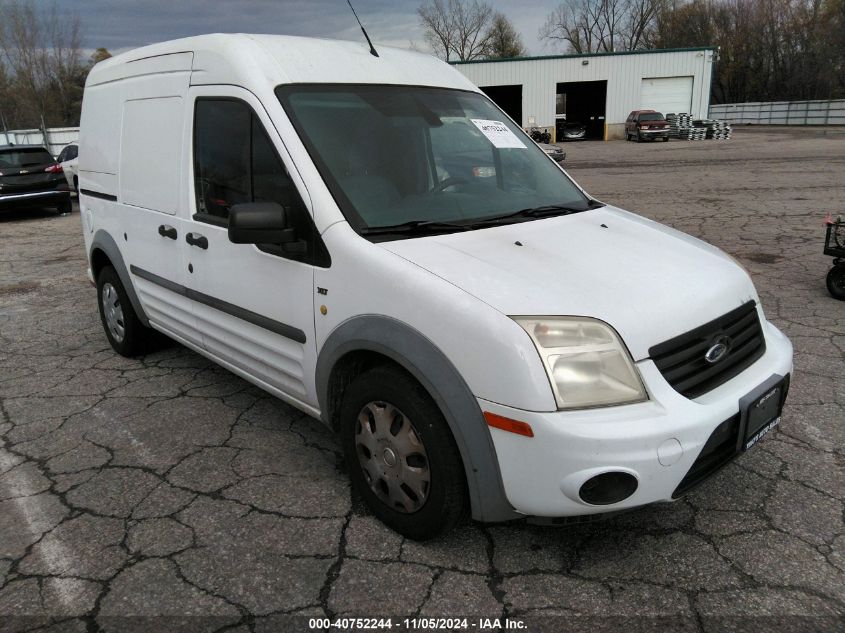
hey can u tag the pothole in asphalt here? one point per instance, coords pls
(22, 287)
(764, 258)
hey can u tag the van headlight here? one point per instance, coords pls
(587, 363)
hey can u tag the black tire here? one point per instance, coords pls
(446, 499)
(665, 139)
(76, 184)
(136, 336)
(836, 282)
(65, 206)
(639, 138)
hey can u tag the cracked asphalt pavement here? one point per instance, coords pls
(166, 493)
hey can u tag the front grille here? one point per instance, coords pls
(682, 361)
(720, 448)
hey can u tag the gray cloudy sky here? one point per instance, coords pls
(122, 24)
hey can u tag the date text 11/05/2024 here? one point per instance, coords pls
(414, 624)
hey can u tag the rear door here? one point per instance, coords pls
(254, 305)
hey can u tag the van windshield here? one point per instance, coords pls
(424, 157)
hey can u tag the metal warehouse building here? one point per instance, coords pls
(598, 89)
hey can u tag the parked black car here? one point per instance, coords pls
(31, 177)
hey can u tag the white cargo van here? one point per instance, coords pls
(372, 240)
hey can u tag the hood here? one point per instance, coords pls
(648, 281)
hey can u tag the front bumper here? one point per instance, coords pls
(656, 441)
(647, 133)
(34, 199)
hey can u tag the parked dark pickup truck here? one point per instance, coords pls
(30, 177)
(643, 124)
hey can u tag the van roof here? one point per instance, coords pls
(242, 59)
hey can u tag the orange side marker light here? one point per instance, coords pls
(506, 424)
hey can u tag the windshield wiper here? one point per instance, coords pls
(415, 227)
(537, 212)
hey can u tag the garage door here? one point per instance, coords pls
(667, 94)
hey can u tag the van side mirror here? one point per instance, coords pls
(259, 223)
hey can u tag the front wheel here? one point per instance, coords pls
(401, 455)
(836, 282)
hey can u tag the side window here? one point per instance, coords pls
(235, 162)
(222, 142)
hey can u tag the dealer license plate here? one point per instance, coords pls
(763, 415)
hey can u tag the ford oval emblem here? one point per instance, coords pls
(718, 350)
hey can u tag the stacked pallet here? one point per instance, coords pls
(679, 124)
(716, 129)
(694, 133)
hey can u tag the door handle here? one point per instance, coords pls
(195, 239)
(167, 231)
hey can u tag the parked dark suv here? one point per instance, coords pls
(31, 177)
(642, 124)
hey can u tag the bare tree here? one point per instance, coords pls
(41, 50)
(456, 28)
(439, 28)
(641, 23)
(65, 58)
(591, 26)
(769, 49)
(503, 39)
(575, 25)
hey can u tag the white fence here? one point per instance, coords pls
(782, 112)
(57, 138)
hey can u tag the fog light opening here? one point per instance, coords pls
(608, 488)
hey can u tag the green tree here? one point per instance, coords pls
(99, 55)
(503, 39)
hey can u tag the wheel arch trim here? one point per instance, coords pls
(420, 357)
(104, 242)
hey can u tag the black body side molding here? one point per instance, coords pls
(282, 329)
(97, 194)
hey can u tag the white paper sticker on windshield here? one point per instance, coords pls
(498, 133)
